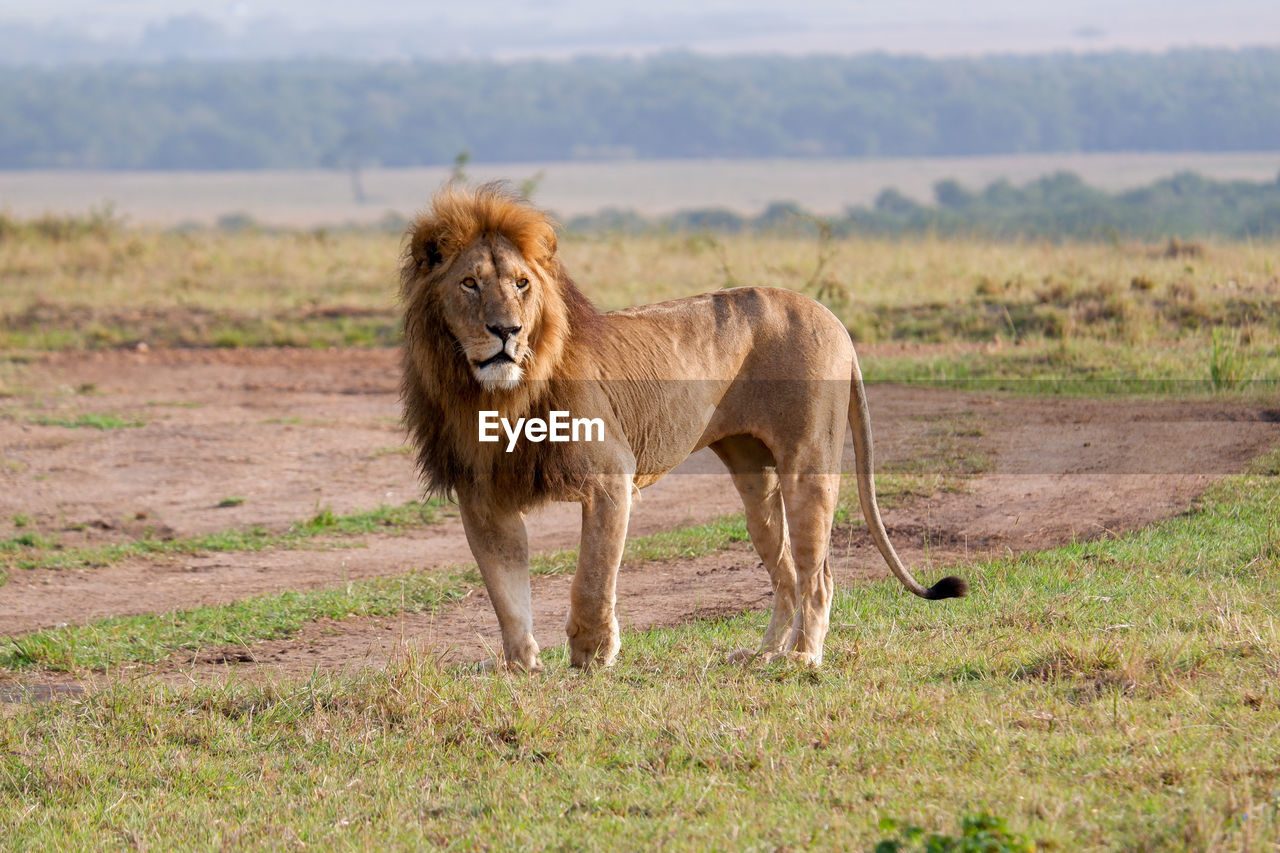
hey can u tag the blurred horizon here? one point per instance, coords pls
(70, 31)
(298, 112)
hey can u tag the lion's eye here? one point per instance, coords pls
(469, 283)
(522, 283)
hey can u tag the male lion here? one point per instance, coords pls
(765, 377)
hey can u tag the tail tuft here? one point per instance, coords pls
(949, 587)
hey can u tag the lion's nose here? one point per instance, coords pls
(504, 332)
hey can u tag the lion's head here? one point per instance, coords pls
(482, 264)
(491, 319)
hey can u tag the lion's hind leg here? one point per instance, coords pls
(810, 499)
(755, 475)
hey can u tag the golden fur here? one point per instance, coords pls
(764, 377)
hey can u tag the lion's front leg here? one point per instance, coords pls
(592, 625)
(501, 547)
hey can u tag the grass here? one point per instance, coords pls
(1226, 362)
(1120, 318)
(980, 833)
(1087, 369)
(151, 637)
(43, 553)
(25, 540)
(392, 450)
(88, 420)
(1116, 694)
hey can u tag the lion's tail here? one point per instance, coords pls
(860, 421)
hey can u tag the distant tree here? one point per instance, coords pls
(458, 174)
(1058, 206)
(893, 202)
(950, 194)
(227, 114)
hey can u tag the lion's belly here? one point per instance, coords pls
(671, 424)
(767, 363)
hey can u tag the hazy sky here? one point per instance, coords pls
(493, 28)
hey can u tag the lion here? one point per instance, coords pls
(765, 377)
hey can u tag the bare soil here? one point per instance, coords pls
(295, 431)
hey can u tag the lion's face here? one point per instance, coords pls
(485, 295)
(492, 298)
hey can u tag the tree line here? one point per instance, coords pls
(300, 114)
(1056, 206)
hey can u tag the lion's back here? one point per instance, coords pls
(769, 332)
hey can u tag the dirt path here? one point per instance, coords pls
(294, 431)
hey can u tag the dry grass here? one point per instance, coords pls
(939, 309)
(277, 273)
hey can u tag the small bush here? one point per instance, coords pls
(1226, 364)
(980, 833)
(62, 228)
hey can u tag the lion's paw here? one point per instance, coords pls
(492, 664)
(594, 657)
(808, 660)
(591, 649)
(592, 646)
(775, 657)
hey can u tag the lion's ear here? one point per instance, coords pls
(549, 244)
(427, 251)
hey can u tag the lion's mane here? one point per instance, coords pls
(441, 396)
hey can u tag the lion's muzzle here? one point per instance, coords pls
(500, 371)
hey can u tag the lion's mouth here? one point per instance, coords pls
(501, 357)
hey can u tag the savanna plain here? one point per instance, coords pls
(227, 620)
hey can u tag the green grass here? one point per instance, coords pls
(392, 450)
(980, 833)
(25, 541)
(228, 502)
(1091, 369)
(1227, 364)
(149, 638)
(1117, 694)
(227, 330)
(88, 420)
(44, 553)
